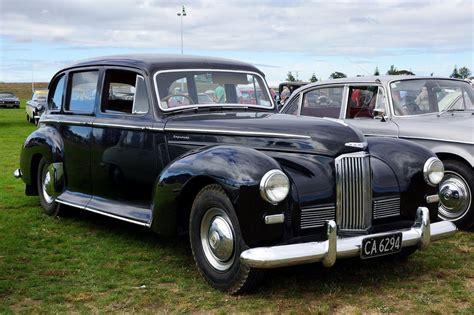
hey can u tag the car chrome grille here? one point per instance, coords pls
(387, 207)
(313, 217)
(354, 191)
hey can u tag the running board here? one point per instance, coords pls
(87, 208)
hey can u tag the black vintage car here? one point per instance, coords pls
(129, 138)
(9, 100)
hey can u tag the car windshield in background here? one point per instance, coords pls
(181, 89)
(6, 95)
(414, 97)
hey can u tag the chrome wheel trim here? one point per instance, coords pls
(455, 197)
(217, 239)
(45, 183)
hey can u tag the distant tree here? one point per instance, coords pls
(464, 72)
(337, 75)
(376, 72)
(313, 78)
(455, 73)
(392, 70)
(290, 77)
(404, 72)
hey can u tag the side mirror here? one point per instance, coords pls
(379, 113)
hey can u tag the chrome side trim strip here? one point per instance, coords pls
(103, 213)
(70, 122)
(121, 126)
(420, 235)
(237, 132)
(435, 139)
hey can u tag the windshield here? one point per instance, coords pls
(181, 89)
(414, 97)
(6, 94)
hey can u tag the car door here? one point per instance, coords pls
(366, 109)
(75, 125)
(123, 160)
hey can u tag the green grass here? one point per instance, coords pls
(82, 262)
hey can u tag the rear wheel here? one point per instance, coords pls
(216, 242)
(456, 204)
(44, 184)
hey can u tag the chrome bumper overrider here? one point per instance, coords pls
(421, 234)
(17, 173)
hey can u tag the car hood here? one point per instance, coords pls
(456, 127)
(277, 132)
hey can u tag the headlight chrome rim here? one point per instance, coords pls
(428, 170)
(264, 185)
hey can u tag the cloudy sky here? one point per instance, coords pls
(38, 38)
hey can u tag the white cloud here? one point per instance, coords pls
(355, 28)
(330, 35)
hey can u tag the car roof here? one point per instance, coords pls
(157, 62)
(384, 79)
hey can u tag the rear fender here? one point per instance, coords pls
(47, 143)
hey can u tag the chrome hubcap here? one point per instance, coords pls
(217, 239)
(454, 197)
(47, 182)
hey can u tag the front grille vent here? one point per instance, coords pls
(354, 191)
(315, 217)
(387, 207)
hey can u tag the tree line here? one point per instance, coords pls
(461, 73)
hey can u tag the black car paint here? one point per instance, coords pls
(189, 150)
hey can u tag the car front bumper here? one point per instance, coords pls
(420, 235)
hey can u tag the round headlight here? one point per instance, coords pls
(274, 186)
(433, 171)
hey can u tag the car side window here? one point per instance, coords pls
(361, 101)
(124, 92)
(83, 91)
(323, 102)
(292, 107)
(56, 97)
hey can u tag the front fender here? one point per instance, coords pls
(406, 159)
(237, 169)
(44, 142)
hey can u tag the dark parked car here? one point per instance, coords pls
(9, 100)
(253, 188)
(435, 112)
(36, 106)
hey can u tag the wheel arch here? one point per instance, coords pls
(451, 156)
(234, 168)
(43, 142)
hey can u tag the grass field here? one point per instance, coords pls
(81, 262)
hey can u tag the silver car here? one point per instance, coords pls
(36, 106)
(435, 112)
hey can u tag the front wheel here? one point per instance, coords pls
(455, 192)
(45, 183)
(216, 242)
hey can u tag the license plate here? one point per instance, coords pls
(381, 245)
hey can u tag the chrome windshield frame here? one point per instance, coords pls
(230, 105)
